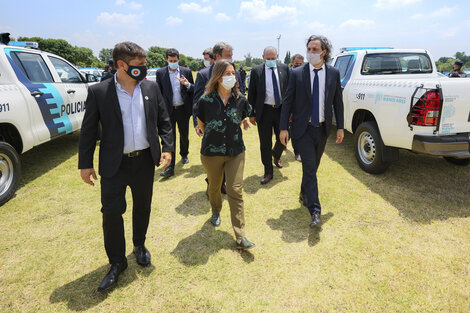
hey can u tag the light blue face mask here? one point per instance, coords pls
(173, 66)
(271, 63)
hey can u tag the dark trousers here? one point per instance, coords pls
(180, 119)
(311, 146)
(137, 173)
(269, 122)
(293, 140)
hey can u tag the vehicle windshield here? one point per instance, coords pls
(396, 63)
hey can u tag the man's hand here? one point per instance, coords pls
(290, 117)
(284, 137)
(165, 159)
(85, 173)
(253, 120)
(183, 81)
(245, 124)
(339, 136)
(198, 131)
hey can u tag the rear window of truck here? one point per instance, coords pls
(396, 63)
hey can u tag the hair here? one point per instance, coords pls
(217, 72)
(325, 45)
(219, 47)
(269, 48)
(172, 52)
(127, 51)
(295, 56)
(208, 51)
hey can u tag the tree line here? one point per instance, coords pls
(83, 57)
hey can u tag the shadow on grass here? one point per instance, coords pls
(196, 249)
(252, 183)
(294, 225)
(47, 156)
(81, 294)
(195, 205)
(422, 188)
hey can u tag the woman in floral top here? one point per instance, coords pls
(220, 112)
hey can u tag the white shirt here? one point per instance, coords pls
(321, 84)
(176, 87)
(269, 97)
(133, 118)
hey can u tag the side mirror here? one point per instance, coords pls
(90, 78)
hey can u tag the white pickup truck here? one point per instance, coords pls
(42, 97)
(394, 99)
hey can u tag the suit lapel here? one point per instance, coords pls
(115, 100)
(168, 86)
(263, 80)
(280, 74)
(146, 98)
(327, 82)
(306, 79)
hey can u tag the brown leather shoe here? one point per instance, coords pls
(277, 162)
(266, 179)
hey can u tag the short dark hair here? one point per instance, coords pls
(208, 51)
(127, 51)
(172, 52)
(221, 46)
(295, 56)
(325, 45)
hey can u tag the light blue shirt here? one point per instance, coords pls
(176, 87)
(133, 118)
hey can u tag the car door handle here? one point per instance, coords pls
(70, 91)
(37, 94)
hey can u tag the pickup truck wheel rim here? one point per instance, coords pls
(366, 148)
(6, 172)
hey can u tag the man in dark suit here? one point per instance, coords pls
(132, 114)
(177, 87)
(268, 83)
(314, 91)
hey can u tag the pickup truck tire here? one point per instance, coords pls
(455, 161)
(10, 172)
(369, 148)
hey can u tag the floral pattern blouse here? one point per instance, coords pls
(222, 131)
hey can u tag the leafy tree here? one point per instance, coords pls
(105, 54)
(248, 60)
(287, 58)
(196, 65)
(83, 56)
(155, 59)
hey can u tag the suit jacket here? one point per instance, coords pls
(257, 87)
(202, 79)
(298, 100)
(163, 80)
(102, 107)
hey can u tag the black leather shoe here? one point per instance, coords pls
(142, 255)
(223, 189)
(168, 172)
(245, 244)
(266, 179)
(277, 162)
(316, 220)
(111, 279)
(215, 220)
(185, 160)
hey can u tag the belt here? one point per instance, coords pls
(272, 105)
(318, 126)
(134, 154)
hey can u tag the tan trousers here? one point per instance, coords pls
(233, 167)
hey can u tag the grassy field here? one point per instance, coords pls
(398, 242)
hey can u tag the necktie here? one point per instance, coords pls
(315, 100)
(277, 98)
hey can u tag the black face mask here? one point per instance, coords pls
(137, 72)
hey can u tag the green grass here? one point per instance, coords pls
(398, 242)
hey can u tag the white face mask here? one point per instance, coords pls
(207, 63)
(314, 58)
(228, 81)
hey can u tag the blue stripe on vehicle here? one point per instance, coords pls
(49, 103)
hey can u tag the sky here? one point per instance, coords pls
(441, 27)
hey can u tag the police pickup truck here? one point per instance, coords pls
(42, 97)
(394, 99)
